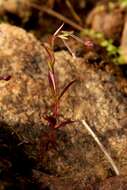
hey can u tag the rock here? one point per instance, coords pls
(115, 183)
(22, 57)
(53, 182)
(98, 96)
(98, 99)
(15, 167)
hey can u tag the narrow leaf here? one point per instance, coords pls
(62, 124)
(65, 34)
(50, 54)
(55, 35)
(52, 81)
(66, 88)
(58, 30)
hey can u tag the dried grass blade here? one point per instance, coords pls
(101, 147)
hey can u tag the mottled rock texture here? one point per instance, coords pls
(21, 57)
(99, 96)
(114, 183)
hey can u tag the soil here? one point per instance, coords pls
(73, 161)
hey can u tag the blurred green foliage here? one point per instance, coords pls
(113, 51)
(123, 3)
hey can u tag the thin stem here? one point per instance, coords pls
(77, 38)
(74, 14)
(69, 49)
(101, 147)
(56, 15)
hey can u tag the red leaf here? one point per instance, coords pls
(52, 82)
(50, 54)
(55, 35)
(52, 120)
(62, 124)
(66, 88)
(5, 77)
